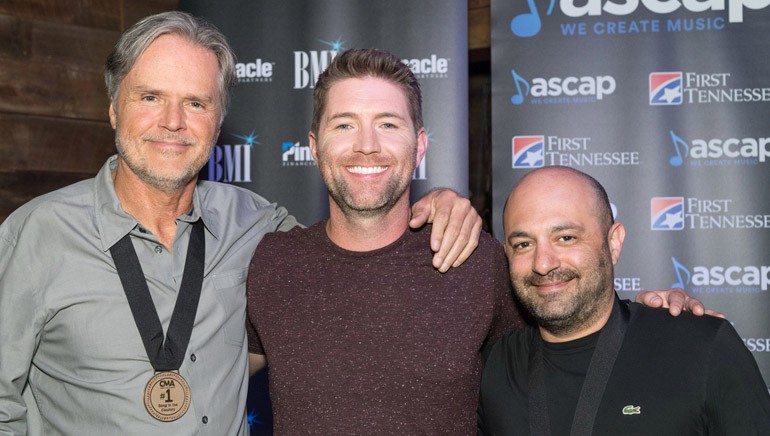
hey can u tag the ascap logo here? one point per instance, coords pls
(719, 279)
(570, 89)
(529, 20)
(719, 151)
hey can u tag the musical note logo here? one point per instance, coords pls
(518, 98)
(681, 149)
(529, 24)
(679, 269)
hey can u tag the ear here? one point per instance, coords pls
(422, 146)
(313, 145)
(616, 237)
(113, 120)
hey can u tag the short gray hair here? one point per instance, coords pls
(134, 41)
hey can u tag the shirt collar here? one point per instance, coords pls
(113, 222)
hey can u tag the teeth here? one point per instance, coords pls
(366, 170)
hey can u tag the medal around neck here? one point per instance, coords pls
(167, 396)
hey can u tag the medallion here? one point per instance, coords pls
(167, 396)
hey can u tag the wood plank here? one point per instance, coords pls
(135, 10)
(100, 14)
(18, 188)
(41, 144)
(475, 4)
(38, 41)
(479, 35)
(50, 88)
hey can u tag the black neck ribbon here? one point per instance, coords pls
(168, 354)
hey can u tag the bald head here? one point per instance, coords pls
(545, 183)
(562, 245)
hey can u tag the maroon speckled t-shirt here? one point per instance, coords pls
(376, 342)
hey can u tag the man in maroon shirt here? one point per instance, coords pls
(363, 335)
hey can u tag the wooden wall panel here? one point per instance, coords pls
(54, 128)
(46, 144)
(100, 14)
(18, 188)
(49, 88)
(478, 24)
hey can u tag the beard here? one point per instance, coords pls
(369, 204)
(362, 201)
(138, 164)
(569, 310)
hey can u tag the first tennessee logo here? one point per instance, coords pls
(665, 88)
(528, 151)
(667, 213)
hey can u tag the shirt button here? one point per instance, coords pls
(205, 419)
(158, 249)
(193, 357)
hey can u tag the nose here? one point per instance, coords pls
(173, 117)
(545, 259)
(367, 141)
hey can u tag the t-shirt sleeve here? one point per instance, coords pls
(738, 400)
(257, 269)
(507, 314)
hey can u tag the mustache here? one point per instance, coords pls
(557, 275)
(170, 137)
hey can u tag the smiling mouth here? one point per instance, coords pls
(366, 170)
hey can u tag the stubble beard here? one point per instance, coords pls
(563, 314)
(367, 207)
(169, 184)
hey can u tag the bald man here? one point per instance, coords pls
(595, 364)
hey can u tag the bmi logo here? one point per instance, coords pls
(666, 88)
(232, 162)
(667, 213)
(308, 65)
(528, 151)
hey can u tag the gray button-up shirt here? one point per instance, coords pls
(71, 358)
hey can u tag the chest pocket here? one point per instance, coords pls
(231, 293)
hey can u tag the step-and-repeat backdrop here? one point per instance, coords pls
(282, 47)
(667, 103)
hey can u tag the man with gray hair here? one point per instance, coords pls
(122, 297)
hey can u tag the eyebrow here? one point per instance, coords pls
(555, 229)
(142, 89)
(354, 115)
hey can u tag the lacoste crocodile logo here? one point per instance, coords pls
(632, 410)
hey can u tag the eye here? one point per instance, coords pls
(519, 246)
(343, 126)
(197, 105)
(150, 98)
(567, 238)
